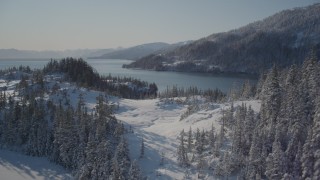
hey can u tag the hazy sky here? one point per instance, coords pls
(72, 24)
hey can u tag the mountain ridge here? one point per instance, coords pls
(13, 53)
(284, 38)
(131, 53)
(139, 51)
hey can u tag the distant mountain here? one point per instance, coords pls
(131, 53)
(135, 52)
(15, 53)
(283, 39)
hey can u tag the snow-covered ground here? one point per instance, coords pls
(159, 124)
(16, 166)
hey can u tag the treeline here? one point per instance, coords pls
(80, 72)
(247, 90)
(280, 142)
(91, 144)
(215, 95)
(25, 69)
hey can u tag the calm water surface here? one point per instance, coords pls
(162, 79)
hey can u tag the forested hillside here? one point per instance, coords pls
(280, 142)
(283, 39)
(42, 114)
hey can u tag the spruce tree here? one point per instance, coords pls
(181, 151)
(134, 171)
(122, 157)
(190, 140)
(307, 159)
(316, 140)
(142, 148)
(276, 162)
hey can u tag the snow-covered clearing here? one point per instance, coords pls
(159, 124)
(17, 166)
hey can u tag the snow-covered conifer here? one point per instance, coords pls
(307, 159)
(276, 162)
(134, 171)
(122, 156)
(189, 140)
(181, 151)
(142, 148)
(212, 138)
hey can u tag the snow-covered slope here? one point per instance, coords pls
(16, 166)
(157, 121)
(159, 124)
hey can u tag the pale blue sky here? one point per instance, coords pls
(72, 24)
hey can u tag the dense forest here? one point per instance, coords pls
(280, 142)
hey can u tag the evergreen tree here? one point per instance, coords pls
(201, 163)
(247, 91)
(142, 148)
(316, 140)
(229, 117)
(197, 137)
(307, 159)
(162, 159)
(116, 170)
(181, 151)
(122, 157)
(103, 159)
(221, 135)
(255, 158)
(271, 100)
(190, 140)
(296, 171)
(248, 130)
(226, 165)
(212, 138)
(291, 152)
(134, 171)
(200, 144)
(276, 162)
(238, 134)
